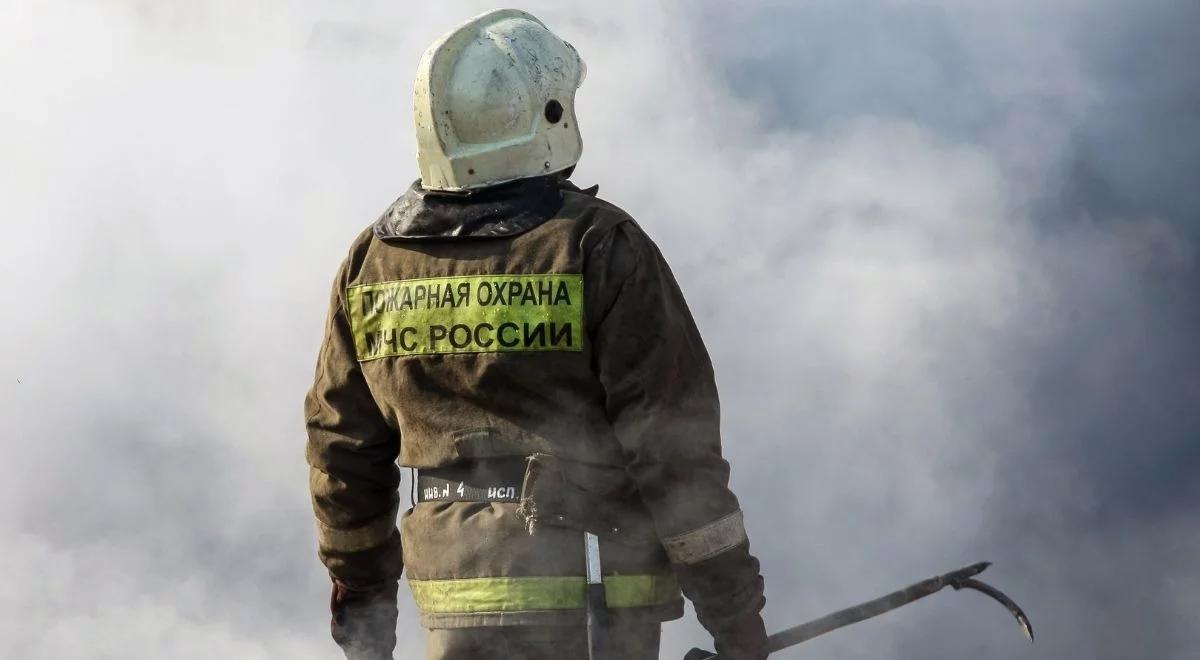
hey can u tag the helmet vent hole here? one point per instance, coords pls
(554, 111)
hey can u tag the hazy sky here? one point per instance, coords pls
(944, 255)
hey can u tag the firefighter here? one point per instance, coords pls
(523, 346)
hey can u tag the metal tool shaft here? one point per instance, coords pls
(872, 608)
(963, 578)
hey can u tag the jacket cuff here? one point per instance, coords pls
(725, 589)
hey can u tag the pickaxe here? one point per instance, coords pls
(963, 578)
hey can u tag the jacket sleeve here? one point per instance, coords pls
(353, 476)
(661, 398)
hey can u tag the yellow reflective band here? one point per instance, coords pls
(522, 594)
(479, 314)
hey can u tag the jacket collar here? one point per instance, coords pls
(505, 210)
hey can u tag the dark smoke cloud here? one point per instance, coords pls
(944, 254)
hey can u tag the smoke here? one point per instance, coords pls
(944, 256)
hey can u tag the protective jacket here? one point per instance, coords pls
(532, 319)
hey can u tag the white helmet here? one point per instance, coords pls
(495, 102)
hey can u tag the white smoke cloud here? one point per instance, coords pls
(926, 329)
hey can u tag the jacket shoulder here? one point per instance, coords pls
(604, 220)
(357, 253)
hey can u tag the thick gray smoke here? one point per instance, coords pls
(944, 255)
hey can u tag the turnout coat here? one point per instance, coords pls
(533, 319)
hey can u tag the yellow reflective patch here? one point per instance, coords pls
(521, 594)
(478, 314)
